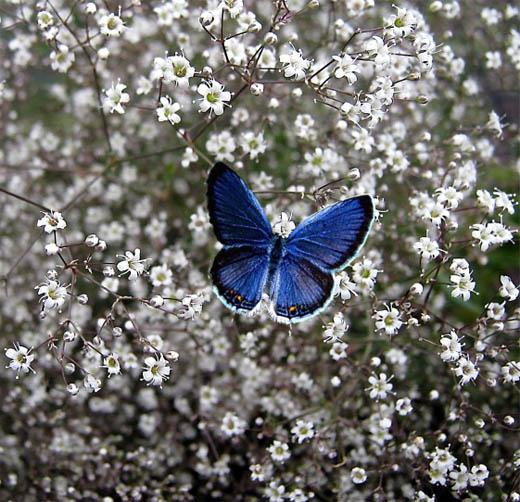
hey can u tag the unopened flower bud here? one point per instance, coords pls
(117, 332)
(207, 71)
(72, 389)
(354, 174)
(435, 6)
(91, 240)
(69, 368)
(270, 38)
(157, 301)
(69, 336)
(101, 246)
(172, 356)
(257, 89)
(416, 289)
(52, 249)
(206, 18)
(103, 53)
(422, 100)
(83, 299)
(509, 420)
(314, 4)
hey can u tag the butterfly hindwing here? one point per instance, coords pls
(301, 289)
(239, 274)
(234, 211)
(332, 237)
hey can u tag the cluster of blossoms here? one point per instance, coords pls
(125, 378)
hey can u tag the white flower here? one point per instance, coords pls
(403, 406)
(335, 330)
(376, 48)
(234, 7)
(91, 383)
(338, 351)
(460, 478)
(232, 425)
(132, 264)
(253, 143)
(161, 275)
(344, 287)
(346, 68)
(479, 474)
(222, 145)
(51, 222)
(380, 386)
(427, 248)
(21, 359)
(181, 71)
(463, 286)
(111, 25)
(388, 320)
(358, 475)
(403, 22)
(156, 370)
(116, 98)
(167, 111)
(52, 293)
(111, 363)
(62, 59)
(294, 64)
(511, 372)
(466, 370)
(302, 431)
(507, 288)
(192, 306)
(452, 347)
(503, 201)
(283, 225)
(279, 451)
(45, 19)
(213, 97)
(275, 492)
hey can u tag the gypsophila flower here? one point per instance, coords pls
(358, 475)
(111, 25)
(427, 248)
(452, 347)
(52, 222)
(388, 320)
(511, 372)
(91, 383)
(403, 406)
(111, 363)
(275, 492)
(214, 97)
(302, 431)
(161, 275)
(21, 359)
(346, 68)
(191, 306)
(115, 98)
(168, 111)
(466, 370)
(463, 286)
(52, 293)
(478, 475)
(283, 225)
(380, 386)
(279, 451)
(335, 330)
(344, 287)
(62, 59)
(252, 143)
(460, 478)
(294, 64)
(156, 370)
(132, 264)
(232, 425)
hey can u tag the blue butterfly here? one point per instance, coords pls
(295, 272)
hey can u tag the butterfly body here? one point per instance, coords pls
(295, 272)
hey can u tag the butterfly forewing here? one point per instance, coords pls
(234, 212)
(331, 238)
